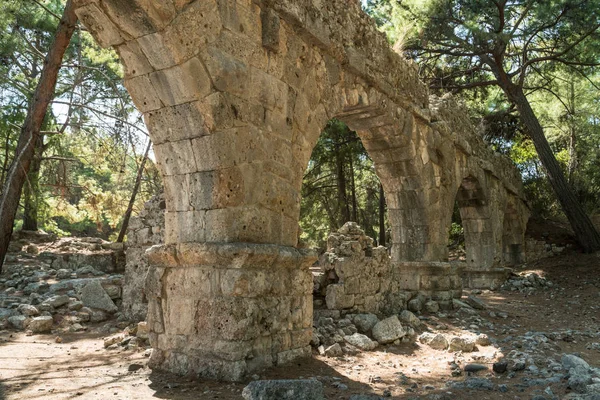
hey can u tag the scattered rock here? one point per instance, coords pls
(365, 322)
(569, 361)
(41, 324)
(388, 330)
(335, 350)
(57, 301)
(142, 330)
(474, 368)
(475, 302)
(462, 344)
(114, 339)
(432, 306)
(361, 341)
(437, 342)
(301, 389)
(19, 322)
(500, 367)
(93, 295)
(410, 319)
(28, 310)
(483, 340)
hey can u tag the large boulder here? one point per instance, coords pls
(304, 389)
(462, 344)
(361, 341)
(365, 322)
(388, 330)
(41, 324)
(93, 295)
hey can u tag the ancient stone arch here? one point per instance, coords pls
(235, 94)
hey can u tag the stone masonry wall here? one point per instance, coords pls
(145, 230)
(235, 94)
(356, 277)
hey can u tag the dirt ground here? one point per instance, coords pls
(36, 367)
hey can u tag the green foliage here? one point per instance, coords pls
(339, 167)
(549, 48)
(89, 163)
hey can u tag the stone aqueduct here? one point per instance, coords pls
(235, 94)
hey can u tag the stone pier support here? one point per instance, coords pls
(226, 310)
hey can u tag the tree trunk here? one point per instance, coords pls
(9, 202)
(31, 190)
(586, 233)
(341, 184)
(573, 159)
(354, 202)
(381, 216)
(136, 188)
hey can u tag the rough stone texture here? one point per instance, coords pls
(145, 230)
(361, 341)
(250, 305)
(235, 94)
(41, 324)
(367, 280)
(388, 330)
(303, 389)
(437, 342)
(93, 295)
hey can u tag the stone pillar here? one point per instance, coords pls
(226, 310)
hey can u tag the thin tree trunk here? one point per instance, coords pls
(586, 233)
(381, 216)
(341, 181)
(136, 188)
(573, 160)
(31, 190)
(353, 188)
(9, 202)
(6, 157)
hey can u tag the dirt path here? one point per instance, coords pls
(542, 326)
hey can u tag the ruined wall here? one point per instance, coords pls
(145, 230)
(356, 277)
(235, 94)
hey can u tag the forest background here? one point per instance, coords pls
(93, 142)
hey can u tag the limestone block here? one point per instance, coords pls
(185, 226)
(93, 295)
(176, 158)
(244, 224)
(139, 17)
(228, 148)
(182, 83)
(361, 341)
(241, 18)
(337, 299)
(99, 25)
(388, 330)
(185, 121)
(156, 50)
(135, 61)
(41, 324)
(234, 76)
(143, 94)
(183, 36)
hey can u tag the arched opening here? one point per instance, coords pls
(340, 185)
(475, 216)
(512, 236)
(343, 215)
(456, 237)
